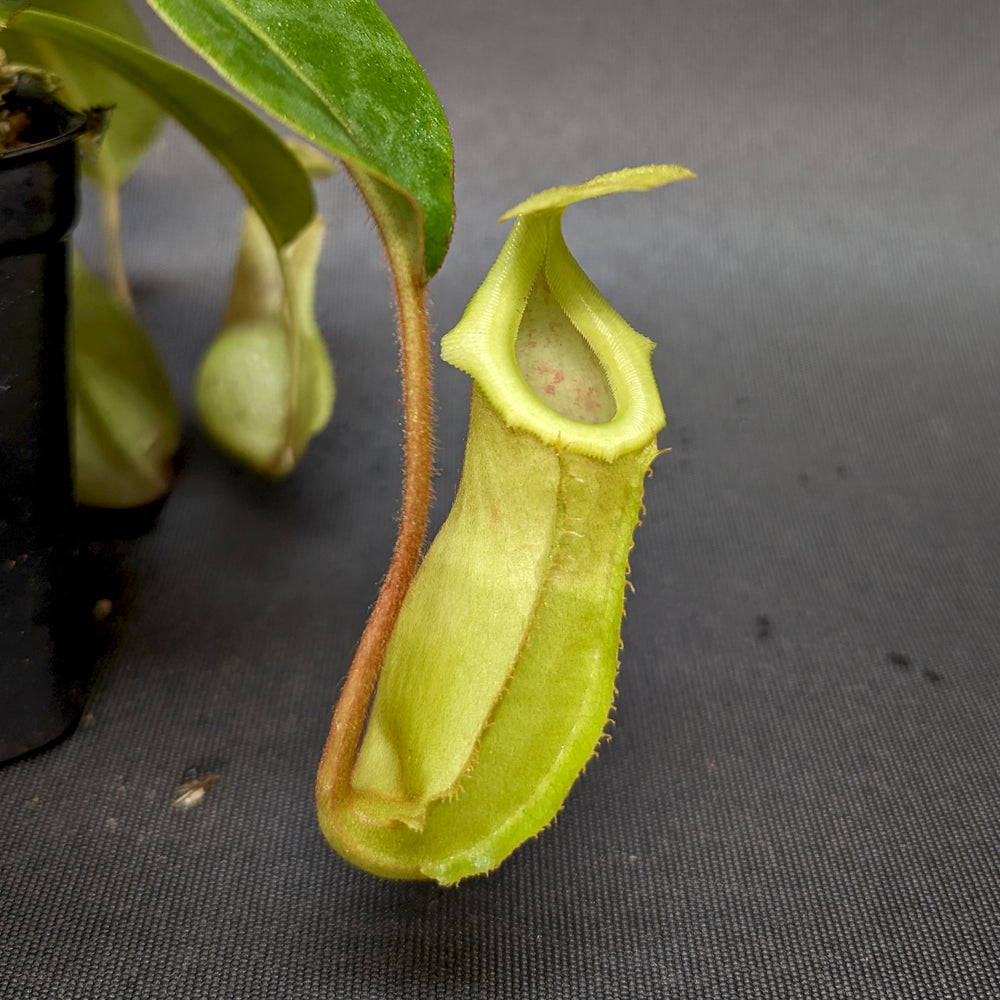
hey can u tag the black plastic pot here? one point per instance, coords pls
(42, 679)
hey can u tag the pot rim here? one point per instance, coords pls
(76, 125)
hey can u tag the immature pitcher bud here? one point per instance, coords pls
(265, 386)
(124, 427)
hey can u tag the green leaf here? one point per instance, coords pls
(125, 428)
(339, 73)
(272, 178)
(86, 84)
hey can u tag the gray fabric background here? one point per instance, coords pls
(802, 795)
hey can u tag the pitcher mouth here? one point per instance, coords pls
(483, 345)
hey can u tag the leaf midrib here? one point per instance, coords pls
(268, 43)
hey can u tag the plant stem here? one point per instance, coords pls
(111, 224)
(418, 447)
(293, 338)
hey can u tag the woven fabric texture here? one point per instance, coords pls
(801, 796)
